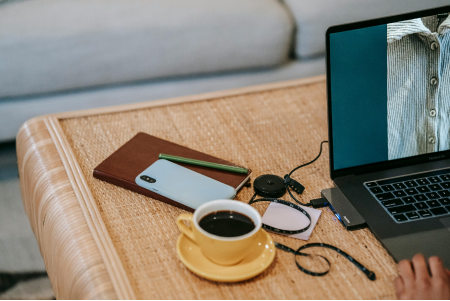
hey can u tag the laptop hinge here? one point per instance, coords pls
(344, 177)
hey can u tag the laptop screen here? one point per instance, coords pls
(389, 89)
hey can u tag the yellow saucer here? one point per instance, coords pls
(259, 259)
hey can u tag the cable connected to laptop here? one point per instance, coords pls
(291, 183)
(270, 188)
(273, 186)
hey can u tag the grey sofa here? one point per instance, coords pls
(60, 55)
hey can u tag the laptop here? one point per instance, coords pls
(388, 85)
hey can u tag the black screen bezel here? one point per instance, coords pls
(384, 164)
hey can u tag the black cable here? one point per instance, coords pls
(288, 180)
(369, 274)
(286, 203)
(311, 162)
(297, 187)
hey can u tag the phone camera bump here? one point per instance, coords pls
(148, 179)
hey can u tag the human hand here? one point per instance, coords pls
(415, 282)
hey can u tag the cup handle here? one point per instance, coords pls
(182, 226)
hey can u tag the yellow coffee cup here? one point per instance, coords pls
(219, 249)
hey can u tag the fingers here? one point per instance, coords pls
(406, 273)
(415, 281)
(420, 268)
(399, 287)
(436, 267)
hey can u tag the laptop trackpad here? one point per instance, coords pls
(446, 222)
(429, 243)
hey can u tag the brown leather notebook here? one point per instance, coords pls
(124, 165)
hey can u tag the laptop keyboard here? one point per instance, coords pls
(414, 197)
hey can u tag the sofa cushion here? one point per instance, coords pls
(314, 17)
(14, 112)
(53, 45)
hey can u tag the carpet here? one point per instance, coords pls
(25, 286)
(22, 269)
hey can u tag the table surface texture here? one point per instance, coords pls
(102, 241)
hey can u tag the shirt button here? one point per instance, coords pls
(431, 140)
(434, 46)
(432, 112)
(433, 81)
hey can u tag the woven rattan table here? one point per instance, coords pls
(102, 241)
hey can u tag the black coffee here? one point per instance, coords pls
(227, 223)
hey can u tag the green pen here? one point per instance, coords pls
(203, 163)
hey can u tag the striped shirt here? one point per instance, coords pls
(418, 87)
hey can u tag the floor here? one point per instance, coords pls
(22, 270)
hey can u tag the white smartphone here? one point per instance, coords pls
(183, 185)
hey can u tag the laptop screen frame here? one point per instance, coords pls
(388, 164)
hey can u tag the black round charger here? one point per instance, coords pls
(269, 186)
